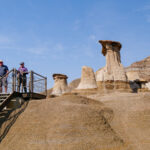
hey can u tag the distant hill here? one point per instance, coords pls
(74, 84)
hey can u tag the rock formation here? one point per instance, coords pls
(132, 76)
(148, 85)
(60, 84)
(88, 80)
(114, 70)
(113, 75)
(74, 84)
(141, 68)
(140, 71)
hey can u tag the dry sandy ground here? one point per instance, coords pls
(131, 118)
(117, 121)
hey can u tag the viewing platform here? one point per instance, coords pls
(36, 85)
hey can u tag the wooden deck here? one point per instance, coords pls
(26, 96)
(36, 85)
(33, 96)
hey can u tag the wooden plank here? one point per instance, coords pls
(33, 96)
(38, 96)
(46, 86)
(39, 75)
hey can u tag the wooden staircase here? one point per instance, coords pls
(6, 98)
(36, 88)
(3, 97)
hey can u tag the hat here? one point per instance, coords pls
(21, 63)
(1, 61)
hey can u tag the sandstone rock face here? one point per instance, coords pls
(60, 84)
(88, 80)
(105, 86)
(148, 85)
(74, 84)
(133, 75)
(141, 69)
(114, 70)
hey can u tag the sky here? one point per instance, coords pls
(61, 36)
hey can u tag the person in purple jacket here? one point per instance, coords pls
(21, 77)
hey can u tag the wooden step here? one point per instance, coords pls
(3, 94)
(3, 97)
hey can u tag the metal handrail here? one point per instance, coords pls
(39, 75)
(36, 83)
(7, 74)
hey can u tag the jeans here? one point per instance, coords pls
(22, 81)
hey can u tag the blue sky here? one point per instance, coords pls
(61, 36)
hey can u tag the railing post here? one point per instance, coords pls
(46, 86)
(31, 82)
(13, 74)
(14, 80)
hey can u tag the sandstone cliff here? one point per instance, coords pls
(140, 68)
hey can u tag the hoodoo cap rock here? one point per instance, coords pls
(113, 43)
(60, 76)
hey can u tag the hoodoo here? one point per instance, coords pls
(88, 80)
(113, 75)
(60, 84)
(114, 70)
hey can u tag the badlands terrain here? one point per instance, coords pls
(108, 121)
(142, 68)
(92, 119)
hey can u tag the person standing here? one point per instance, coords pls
(21, 77)
(3, 76)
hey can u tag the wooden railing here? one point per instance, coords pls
(35, 83)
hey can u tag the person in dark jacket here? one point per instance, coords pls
(3, 76)
(21, 77)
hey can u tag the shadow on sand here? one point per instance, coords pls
(8, 117)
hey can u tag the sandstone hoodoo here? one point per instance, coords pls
(88, 80)
(113, 70)
(113, 73)
(60, 84)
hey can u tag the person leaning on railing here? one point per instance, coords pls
(3, 76)
(21, 77)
